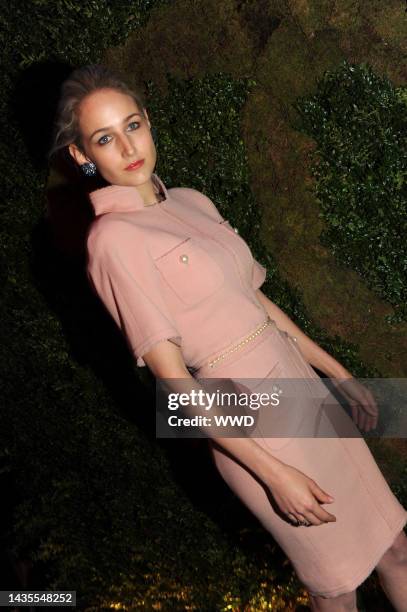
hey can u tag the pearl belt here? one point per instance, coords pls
(253, 335)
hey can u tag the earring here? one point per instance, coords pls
(89, 169)
(154, 134)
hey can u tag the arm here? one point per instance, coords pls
(297, 495)
(313, 353)
(165, 361)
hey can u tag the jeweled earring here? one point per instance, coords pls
(89, 169)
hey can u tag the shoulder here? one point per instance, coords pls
(112, 234)
(193, 197)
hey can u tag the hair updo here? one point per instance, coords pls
(80, 83)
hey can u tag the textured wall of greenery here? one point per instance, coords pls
(359, 122)
(95, 499)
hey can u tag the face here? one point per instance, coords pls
(115, 133)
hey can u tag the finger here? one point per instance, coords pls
(319, 494)
(369, 417)
(376, 421)
(311, 518)
(308, 516)
(369, 403)
(354, 413)
(357, 414)
(372, 422)
(322, 515)
(318, 510)
(373, 412)
(317, 515)
(370, 407)
(372, 401)
(362, 418)
(369, 423)
(293, 517)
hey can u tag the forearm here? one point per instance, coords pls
(254, 457)
(238, 443)
(313, 353)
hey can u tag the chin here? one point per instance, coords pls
(136, 177)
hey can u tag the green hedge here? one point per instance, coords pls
(200, 143)
(359, 123)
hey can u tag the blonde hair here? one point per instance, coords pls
(80, 83)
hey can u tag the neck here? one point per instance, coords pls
(159, 198)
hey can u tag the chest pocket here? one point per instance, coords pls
(190, 271)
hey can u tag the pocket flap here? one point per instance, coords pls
(190, 271)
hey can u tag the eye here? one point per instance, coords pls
(100, 140)
(135, 123)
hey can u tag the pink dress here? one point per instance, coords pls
(178, 271)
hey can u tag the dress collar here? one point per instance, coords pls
(123, 198)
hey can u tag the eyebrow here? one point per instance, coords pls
(109, 127)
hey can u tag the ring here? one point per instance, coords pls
(294, 520)
(297, 522)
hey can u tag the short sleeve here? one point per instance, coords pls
(123, 274)
(259, 274)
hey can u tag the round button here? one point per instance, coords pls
(184, 258)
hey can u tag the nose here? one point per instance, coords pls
(127, 144)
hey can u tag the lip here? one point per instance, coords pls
(135, 165)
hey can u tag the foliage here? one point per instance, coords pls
(200, 143)
(359, 122)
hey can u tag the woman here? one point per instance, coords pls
(173, 273)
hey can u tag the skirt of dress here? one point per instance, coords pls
(335, 557)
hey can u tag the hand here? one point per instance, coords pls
(299, 496)
(365, 412)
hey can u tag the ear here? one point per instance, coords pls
(77, 154)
